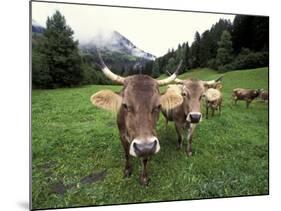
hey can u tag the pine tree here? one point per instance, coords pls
(195, 51)
(186, 56)
(171, 65)
(155, 69)
(40, 70)
(224, 53)
(61, 52)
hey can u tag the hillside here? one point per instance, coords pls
(253, 78)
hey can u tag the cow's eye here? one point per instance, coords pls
(156, 108)
(125, 106)
(185, 94)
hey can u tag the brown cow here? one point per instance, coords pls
(137, 106)
(213, 99)
(187, 114)
(247, 95)
(264, 95)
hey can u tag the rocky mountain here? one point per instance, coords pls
(114, 41)
(37, 28)
(119, 53)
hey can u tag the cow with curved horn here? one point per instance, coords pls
(138, 106)
(187, 114)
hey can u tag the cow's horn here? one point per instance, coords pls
(213, 81)
(178, 81)
(108, 73)
(170, 78)
(219, 78)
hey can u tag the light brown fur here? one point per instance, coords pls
(191, 92)
(137, 106)
(213, 100)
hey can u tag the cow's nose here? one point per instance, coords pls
(195, 117)
(145, 149)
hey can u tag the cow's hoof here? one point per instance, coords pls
(179, 147)
(144, 181)
(189, 153)
(128, 172)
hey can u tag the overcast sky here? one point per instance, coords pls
(154, 31)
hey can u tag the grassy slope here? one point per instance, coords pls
(72, 139)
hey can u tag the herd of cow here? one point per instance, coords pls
(140, 102)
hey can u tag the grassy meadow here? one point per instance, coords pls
(78, 160)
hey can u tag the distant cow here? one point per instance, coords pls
(187, 114)
(137, 106)
(247, 95)
(264, 95)
(213, 99)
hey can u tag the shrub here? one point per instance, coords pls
(226, 67)
(212, 63)
(247, 59)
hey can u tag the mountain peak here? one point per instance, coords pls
(36, 27)
(115, 41)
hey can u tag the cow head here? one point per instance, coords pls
(137, 106)
(192, 92)
(211, 84)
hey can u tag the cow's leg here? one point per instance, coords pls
(234, 99)
(213, 111)
(189, 139)
(220, 104)
(248, 103)
(128, 166)
(179, 130)
(144, 176)
(207, 111)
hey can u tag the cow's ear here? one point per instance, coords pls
(107, 99)
(218, 86)
(170, 100)
(206, 86)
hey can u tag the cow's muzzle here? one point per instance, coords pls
(144, 147)
(194, 117)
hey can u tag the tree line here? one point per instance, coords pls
(226, 46)
(58, 62)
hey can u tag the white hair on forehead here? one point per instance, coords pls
(212, 94)
(175, 88)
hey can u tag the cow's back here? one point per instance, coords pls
(212, 95)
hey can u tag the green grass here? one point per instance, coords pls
(71, 139)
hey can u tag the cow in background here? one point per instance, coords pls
(247, 95)
(264, 95)
(213, 99)
(187, 115)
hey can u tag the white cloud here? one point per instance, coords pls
(154, 31)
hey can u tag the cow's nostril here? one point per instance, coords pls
(137, 148)
(145, 149)
(195, 118)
